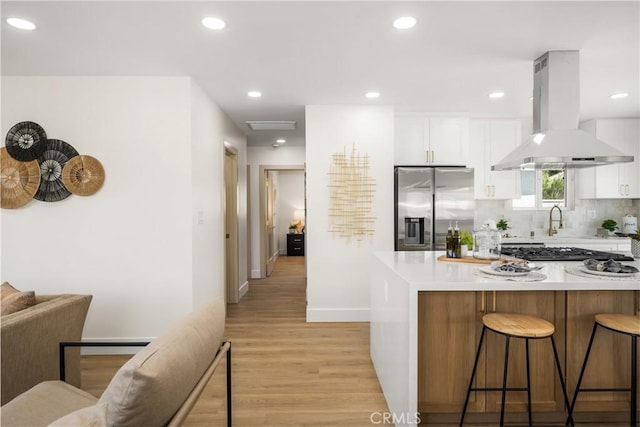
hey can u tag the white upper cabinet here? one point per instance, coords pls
(618, 181)
(489, 142)
(421, 140)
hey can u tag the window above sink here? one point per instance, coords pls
(545, 188)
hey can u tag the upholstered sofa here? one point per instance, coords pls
(29, 342)
(156, 387)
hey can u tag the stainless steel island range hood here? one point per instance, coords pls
(556, 141)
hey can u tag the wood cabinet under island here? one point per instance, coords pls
(426, 319)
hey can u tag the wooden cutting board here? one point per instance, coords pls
(466, 259)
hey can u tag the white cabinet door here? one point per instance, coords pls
(489, 142)
(478, 149)
(504, 137)
(448, 141)
(420, 141)
(619, 181)
(410, 147)
(625, 136)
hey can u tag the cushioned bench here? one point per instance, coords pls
(156, 387)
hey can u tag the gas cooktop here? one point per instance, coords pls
(532, 253)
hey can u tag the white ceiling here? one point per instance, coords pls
(299, 53)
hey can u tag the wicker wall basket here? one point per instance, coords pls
(19, 180)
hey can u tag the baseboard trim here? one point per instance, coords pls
(94, 351)
(255, 274)
(244, 288)
(337, 314)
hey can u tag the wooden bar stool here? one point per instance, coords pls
(622, 324)
(515, 326)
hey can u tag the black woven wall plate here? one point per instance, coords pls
(51, 161)
(26, 141)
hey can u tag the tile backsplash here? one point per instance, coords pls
(576, 221)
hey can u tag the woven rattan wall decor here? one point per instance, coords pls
(33, 166)
(351, 191)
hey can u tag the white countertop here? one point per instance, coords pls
(423, 272)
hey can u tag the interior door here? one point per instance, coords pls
(231, 227)
(270, 223)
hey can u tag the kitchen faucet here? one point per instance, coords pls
(552, 229)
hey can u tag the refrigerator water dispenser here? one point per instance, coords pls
(414, 230)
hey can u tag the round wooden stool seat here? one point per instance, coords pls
(624, 323)
(518, 325)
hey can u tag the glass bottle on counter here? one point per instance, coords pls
(449, 241)
(455, 247)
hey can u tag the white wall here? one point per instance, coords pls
(290, 199)
(337, 271)
(257, 156)
(131, 245)
(211, 127)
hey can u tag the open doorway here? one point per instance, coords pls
(282, 203)
(232, 293)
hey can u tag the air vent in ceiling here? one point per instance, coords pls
(271, 124)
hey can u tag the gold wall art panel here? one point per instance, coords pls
(351, 191)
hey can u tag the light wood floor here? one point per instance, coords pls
(286, 372)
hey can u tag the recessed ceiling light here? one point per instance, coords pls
(213, 23)
(22, 24)
(254, 94)
(372, 95)
(281, 141)
(619, 95)
(496, 95)
(405, 22)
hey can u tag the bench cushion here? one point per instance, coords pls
(152, 385)
(91, 416)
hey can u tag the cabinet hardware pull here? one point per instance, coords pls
(483, 303)
(433, 156)
(626, 189)
(427, 156)
(493, 306)
(493, 191)
(621, 190)
(488, 192)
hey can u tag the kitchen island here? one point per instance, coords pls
(426, 321)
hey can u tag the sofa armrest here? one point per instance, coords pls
(64, 344)
(29, 342)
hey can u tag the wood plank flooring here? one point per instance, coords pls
(286, 372)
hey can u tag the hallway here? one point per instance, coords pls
(286, 372)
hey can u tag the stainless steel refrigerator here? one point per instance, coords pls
(426, 200)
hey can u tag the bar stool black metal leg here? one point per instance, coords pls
(562, 384)
(473, 374)
(504, 380)
(584, 365)
(526, 343)
(229, 397)
(634, 381)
